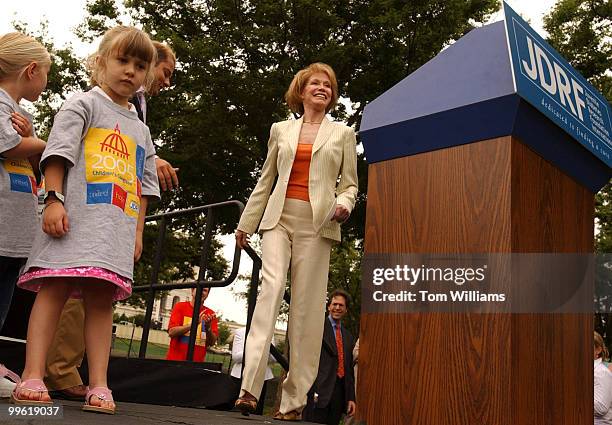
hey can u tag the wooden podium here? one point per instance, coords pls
(460, 163)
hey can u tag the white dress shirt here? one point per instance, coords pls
(142, 100)
(602, 393)
(238, 354)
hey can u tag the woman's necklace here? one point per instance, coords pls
(312, 122)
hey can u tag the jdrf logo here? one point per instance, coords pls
(545, 70)
(549, 83)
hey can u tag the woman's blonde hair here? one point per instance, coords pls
(293, 97)
(122, 41)
(164, 53)
(599, 343)
(17, 51)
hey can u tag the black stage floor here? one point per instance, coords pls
(140, 414)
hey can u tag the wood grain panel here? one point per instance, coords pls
(453, 369)
(551, 213)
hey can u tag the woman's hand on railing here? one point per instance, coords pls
(242, 239)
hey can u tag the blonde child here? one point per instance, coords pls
(24, 64)
(99, 169)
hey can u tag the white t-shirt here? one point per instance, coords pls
(18, 196)
(110, 166)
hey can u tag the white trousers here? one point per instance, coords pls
(292, 242)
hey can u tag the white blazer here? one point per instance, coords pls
(333, 155)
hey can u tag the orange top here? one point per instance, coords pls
(297, 187)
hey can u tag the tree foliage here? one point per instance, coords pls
(581, 30)
(236, 60)
(224, 333)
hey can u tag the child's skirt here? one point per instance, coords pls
(35, 277)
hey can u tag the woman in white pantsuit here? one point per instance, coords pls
(314, 162)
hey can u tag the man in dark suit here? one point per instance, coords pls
(333, 392)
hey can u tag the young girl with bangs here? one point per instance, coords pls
(99, 170)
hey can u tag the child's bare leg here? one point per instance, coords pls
(98, 301)
(44, 317)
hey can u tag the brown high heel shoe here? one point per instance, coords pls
(246, 406)
(293, 416)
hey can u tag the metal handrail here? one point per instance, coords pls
(200, 283)
(164, 219)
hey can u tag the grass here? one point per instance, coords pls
(158, 351)
(154, 351)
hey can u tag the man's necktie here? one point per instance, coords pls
(340, 347)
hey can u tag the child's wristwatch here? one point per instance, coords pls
(53, 194)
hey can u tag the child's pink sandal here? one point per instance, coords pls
(34, 385)
(102, 393)
(7, 373)
(6, 388)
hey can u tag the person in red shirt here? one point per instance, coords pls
(180, 324)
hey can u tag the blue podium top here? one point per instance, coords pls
(476, 68)
(498, 80)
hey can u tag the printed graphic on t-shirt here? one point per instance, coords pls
(201, 336)
(21, 175)
(114, 165)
